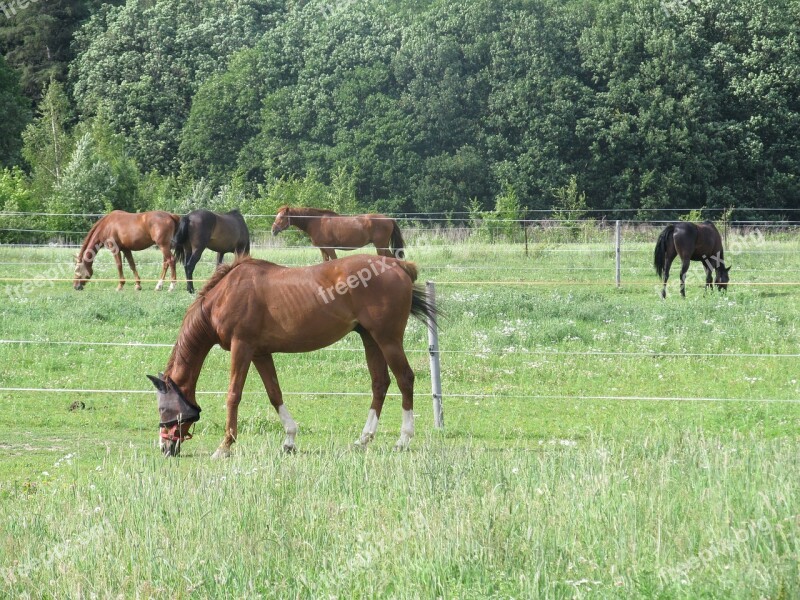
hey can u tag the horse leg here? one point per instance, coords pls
(169, 263)
(396, 358)
(241, 355)
(709, 279)
(164, 266)
(129, 257)
(118, 260)
(191, 262)
(666, 275)
(684, 268)
(266, 369)
(379, 373)
(220, 256)
(328, 254)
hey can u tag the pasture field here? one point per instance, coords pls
(599, 442)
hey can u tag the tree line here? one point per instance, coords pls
(451, 106)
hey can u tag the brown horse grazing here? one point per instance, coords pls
(330, 231)
(123, 232)
(691, 242)
(201, 229)
(255, 308)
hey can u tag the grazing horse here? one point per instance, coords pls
(201, 229)
(123, 232)
(255, 308)
(330, 231)
(691, 242)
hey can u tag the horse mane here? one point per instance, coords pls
(89, 237)
(220, 274)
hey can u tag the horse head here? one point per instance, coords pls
(722, 278)
(176, 414)
(282, 220)
(83, 273)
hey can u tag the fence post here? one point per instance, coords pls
(618, 242)
(436, 371)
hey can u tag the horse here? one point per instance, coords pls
(255, 308)
(123, 232)
(691, 242)
(201, 229)
(330, 231)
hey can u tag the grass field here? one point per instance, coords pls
(599, 442)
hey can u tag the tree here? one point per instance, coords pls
(47, 144)
(17, 114)
(142, 63)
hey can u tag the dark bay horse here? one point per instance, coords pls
(201, 229)
(691, 242)
(122, 232)
(330, 231)
(255, 308)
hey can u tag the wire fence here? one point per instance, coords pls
(537, 240)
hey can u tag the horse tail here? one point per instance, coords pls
(410, 268)
(397, 243)
(661, 249)
(179, 240)
(423, 308)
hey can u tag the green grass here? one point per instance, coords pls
(559, 474)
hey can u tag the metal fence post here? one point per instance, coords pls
(436, 370)
(618, 244)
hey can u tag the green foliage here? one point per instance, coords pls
(35, 38)
(693, 216)
(143, 62)
(47, 143)
(16, 196)
(16, 114)
(426, 105)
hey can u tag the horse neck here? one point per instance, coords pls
(195, 340)
(301, 220)
(94, 241)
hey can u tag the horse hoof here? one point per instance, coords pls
(402, 446)
(171, 448)
(359, 445)
(119, 288)
(138, 288)
(289, 449)
(221, 453)
(159, 286)
(171, 287)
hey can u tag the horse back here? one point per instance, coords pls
(281, 309)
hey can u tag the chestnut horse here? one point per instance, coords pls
(255, 308)
(123, 232)
(201, 229)
(691, 242)
(330, 231)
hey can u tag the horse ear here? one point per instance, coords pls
(161, 386)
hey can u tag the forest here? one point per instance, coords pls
(603, 108)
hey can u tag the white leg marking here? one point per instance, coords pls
(289, 426)
(371, 426)
(406, 430)
(159, 285)
(172, 286)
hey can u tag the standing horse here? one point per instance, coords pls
(330, 231)
(691, 242)
(123, 232)
(254, 308)
(201, 229)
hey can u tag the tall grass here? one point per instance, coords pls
(550, 479)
